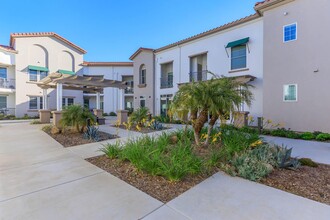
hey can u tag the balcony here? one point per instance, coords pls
(198, 76)
(166, 82)
(7, 85)
(129, 90)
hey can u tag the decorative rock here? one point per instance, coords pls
(55, 130)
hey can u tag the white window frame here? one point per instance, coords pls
(246, 59)
(6, 100)
(291, 84)
(38, 102)
(145, 76)
(38, 75)
(6, 70)
(283, 34)
(142, 97)
(65, 102)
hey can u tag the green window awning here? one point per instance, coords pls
(238, 42)
(38, 68)
(66, 72)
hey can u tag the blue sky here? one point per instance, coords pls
(111, 30)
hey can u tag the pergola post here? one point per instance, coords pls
(57, 115)
(98, 111)
(44, 114)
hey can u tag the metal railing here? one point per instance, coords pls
(198, 76)
(166, 82)
(7, 84)
(129, 90)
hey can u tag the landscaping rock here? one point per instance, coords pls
(174, 139)
(55, 130)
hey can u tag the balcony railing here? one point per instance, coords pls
(129, 90)
(198, 76)
(166, 82)
(7, 84)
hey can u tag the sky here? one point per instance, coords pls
(112, 30)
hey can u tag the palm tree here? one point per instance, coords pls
(76, 116)
(217, 97)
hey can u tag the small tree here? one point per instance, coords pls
(217, 97)
(76, 116)
(139, 116)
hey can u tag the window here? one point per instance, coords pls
(165, 101)
(33, 104)
(198, 68)
(290, 93)
(238, 57)
(3, 73)
(70, 101)
(3, 102)
(143, 74)
(166, 80)
(67, 102)
(86, 103)
(41, 102)
(33, 75)
(290, 32)
(43, 74)
(142, 101)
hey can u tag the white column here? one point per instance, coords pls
(59, 96)
(121, 99)
(98, 100)
(45, 99)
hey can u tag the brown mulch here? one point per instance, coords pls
(309, 182)
(70, 139)
(143, 130)
(156, 186)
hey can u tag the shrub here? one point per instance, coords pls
(307, 136)
(157, 157)
(316, 133)
(35, 122)
(92, 133)
(249, 130)
(307, 162)
(105, 114)
(292, 134)
(282, 156)
(280, 132)
(112, 114)
(266, 132)
(76, 116)
(323, 137)
(139, 116)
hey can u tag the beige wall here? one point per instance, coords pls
(304, 62)
(46, 52)
(144, 58)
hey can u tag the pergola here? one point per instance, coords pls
(60, 81)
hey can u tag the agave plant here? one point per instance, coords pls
(92, 133)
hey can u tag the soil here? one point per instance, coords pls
(156, 186)
(70, 139)
(308, 182)
(143, 130)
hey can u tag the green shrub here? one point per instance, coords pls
(307, 136)
(249, 130)
(112, 150)
(139, 115)
(280, 132)
(323, 137)
(316, 133)
(76, 116)
(35, 122)
(307, 162)
(292, 134)
(47, 128)
(157, 156)
(112, 114)
(105, 114)
(266, 132)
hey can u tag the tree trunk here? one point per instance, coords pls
(212, 121)
(198, 125)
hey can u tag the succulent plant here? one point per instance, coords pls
(92, 133)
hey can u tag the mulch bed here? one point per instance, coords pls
(156, 186)
(309, 182)
(74, 139)
(143, 130)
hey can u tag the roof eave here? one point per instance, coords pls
(262, 7)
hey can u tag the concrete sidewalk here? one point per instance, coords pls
(317, 151)
(39, 179)
(42, 180)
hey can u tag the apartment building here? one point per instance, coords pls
(282, 48)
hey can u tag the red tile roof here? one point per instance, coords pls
(139, 51)
(8, 48)
(85, 63)
(44, 34)
(212, 31)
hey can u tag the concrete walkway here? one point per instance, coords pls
(317, 151)
(39, 179)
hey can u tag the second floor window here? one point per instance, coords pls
(143, 74)
(290, 32)
(36, 75)
(238, 57)
(3, 73)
